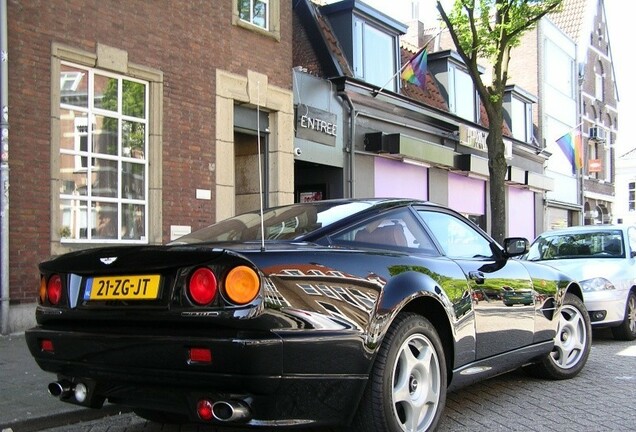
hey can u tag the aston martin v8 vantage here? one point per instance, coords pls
(352, 313)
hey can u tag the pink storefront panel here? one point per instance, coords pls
(466, 195)
(521, 213)
(400, 180)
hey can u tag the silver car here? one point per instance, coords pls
(602, 259)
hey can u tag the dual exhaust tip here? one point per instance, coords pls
(65, 389)
(230, 411)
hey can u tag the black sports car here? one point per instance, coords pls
(345, 312)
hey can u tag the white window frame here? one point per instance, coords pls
(84, 203)
(456, 97)
(598, 86)
(631, 196)
(365, 55)
(521, 129)
(251, 18)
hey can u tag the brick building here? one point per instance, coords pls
(140, 113)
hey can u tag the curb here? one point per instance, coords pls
(63, 419)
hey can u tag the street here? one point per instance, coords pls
(599, 399)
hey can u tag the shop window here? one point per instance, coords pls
(103, 164)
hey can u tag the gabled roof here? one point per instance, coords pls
(571, 19)
(333, 62)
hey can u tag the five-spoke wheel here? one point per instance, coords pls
(407, 388)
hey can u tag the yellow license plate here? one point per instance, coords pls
(144, 287)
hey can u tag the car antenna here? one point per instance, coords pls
(260, 163)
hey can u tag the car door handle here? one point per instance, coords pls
(477, 276)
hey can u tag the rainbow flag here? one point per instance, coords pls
(572, 145)
(415, 70)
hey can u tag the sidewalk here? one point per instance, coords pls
(25, 404)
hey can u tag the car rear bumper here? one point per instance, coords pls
(154, 372)
(611, 305)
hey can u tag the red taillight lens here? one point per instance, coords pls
(202, 287)
(47, 345)
(54, 289)
(204, 410)
(200, 355)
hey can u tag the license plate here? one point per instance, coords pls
(144, 287)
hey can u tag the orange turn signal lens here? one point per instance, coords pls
(241, 285)
(42, 289)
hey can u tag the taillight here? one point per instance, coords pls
(241, 285)
(204, 410)
(202, 287)
(42, 289)
(54, 289)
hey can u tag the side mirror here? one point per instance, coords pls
(515, 246)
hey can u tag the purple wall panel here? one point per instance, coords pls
(398, 179)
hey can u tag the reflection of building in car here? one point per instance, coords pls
(241, 320)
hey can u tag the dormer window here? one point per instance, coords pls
(518, 112)
(461, 94)
(369, 40)
(456, 84)
(374, 60)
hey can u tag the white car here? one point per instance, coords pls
(603, 259)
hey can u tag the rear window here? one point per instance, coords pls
(281, 223)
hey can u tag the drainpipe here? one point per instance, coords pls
(4, 170)
(352, 130)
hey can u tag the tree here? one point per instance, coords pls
(488, 30)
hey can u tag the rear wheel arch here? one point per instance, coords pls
(407, 386)
(434, 312)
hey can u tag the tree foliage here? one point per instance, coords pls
(486, 31)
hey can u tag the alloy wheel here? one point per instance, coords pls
(416, 384)
(569, 342)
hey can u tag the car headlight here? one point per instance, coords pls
(596, 284)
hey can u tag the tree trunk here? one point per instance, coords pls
(498, 168)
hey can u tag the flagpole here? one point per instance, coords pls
(377, 92)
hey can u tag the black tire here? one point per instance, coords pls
(627, 329)
(572, 342)
(408, 380)
(161, 417)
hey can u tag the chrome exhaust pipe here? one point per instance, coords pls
(61, 389)
(230, 411)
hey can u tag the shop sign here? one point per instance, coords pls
(316, 125)
(595, 165)
(473, 138)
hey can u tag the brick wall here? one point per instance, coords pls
(187, 41)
